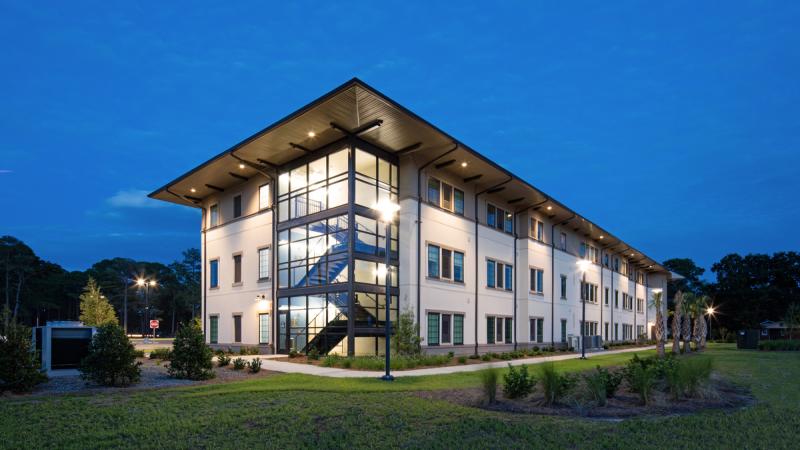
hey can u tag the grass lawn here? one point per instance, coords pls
(290, 411)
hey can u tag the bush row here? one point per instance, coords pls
(780, 345)
(680, 377)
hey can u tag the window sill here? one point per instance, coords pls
(510, 291)
(237, 284)
(537, 294)
(263, 280)
(445, 281)
(213, 288)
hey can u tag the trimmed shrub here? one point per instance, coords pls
(160, 353)
(475, 356)
(486, 357)
(688, 375)
(313, 354)
(112, 358)
(19, 366)
(602, 384)
(255, 365)
(451, 354)
(239, 364)
(191, 356)
(554, 385)
(139, 353)
(462, 359)
(293, 353)
(489, 383)
(517, 383)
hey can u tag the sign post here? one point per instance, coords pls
(154, 327)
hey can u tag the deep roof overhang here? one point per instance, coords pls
(353, 108)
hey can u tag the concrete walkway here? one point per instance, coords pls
(269, 363)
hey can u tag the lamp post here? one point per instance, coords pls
(387, 210)
(583, 266)
(141, 282)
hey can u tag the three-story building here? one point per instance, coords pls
(293, 249)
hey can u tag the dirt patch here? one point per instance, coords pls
(625, 404)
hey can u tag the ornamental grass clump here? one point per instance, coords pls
(239, 364)
(602, 384)
(555, 386)
(489, 379)
(255, 365)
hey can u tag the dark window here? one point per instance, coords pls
(540, 330)
(490, 330)
(491, 216)
(499, 330)
(490, 273)
(434, 194)
(458, 202)
(237, 206)
(458, 329)
(213, 334)
(237, 268)
(509, 330)
(563, 330)
(447, 257)
(564, 287)
(237, 328)
(214, 273)
(500, 277)
(446, 328)
(509, 277)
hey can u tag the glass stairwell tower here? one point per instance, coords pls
(330, 295)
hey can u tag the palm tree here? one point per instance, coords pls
(702, 307)
(698, 308)
(676, 323)
(658, 305)
(686, 322)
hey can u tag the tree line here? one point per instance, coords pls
(748, 289)
(35, 291)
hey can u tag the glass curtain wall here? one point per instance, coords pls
(315, 256)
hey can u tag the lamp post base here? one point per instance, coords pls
(387, 378)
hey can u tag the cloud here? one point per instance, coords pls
(133, 198)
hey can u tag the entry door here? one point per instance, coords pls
(283, 332)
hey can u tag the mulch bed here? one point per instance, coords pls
(154, 376)
(724, 395)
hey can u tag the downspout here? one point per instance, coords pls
(204, 272)
(419, 232)
(553, 279)
(602, 292)
(477, 262)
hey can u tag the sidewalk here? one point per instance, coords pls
(268, 363)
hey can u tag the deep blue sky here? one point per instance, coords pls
(675, 125)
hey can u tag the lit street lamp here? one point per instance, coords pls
(710, 313)
(141, 282)
(583, 266)
(387, 209)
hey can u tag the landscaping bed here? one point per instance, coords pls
(624, 404)
(154, 375)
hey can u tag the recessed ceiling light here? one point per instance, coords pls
(601, 236)
(193, 190)
(464, 164)
(549, 208)
(241, 166)
(311, 134)
(633, 254)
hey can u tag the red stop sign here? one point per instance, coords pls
(154, 324)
